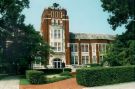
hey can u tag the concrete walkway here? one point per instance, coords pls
(9, 83)
(129, 85)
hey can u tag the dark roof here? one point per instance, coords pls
(91, 36)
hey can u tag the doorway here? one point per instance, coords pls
(57, 63)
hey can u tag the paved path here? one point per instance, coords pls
(129, 85)
(64, 84)
(9, 83)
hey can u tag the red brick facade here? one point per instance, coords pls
(55, 13)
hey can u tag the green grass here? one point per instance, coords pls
(56, 79)
(23, 80)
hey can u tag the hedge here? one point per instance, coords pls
(94, 65)
(54, 71)
(103, 76)
(65, 73)
(35, 77)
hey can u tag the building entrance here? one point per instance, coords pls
(57, 63)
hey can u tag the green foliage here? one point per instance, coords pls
(93, 65)
(65, 73)
(103, 76)
(54, 71)
(121, 11)
(25, 44)
(24, 82)
(11, 12)
(3, 76)
(56, 79)
(35, 77)
(122, 51)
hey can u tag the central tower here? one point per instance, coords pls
(55, 31)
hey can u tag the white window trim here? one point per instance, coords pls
(85, 60)
(74, 59)
(84, 47)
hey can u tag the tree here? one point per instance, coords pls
(122, 52)
(122, 11)
(19, 41)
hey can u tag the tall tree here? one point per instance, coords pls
(122, 52)
(19, 41)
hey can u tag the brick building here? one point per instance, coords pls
(73, 49)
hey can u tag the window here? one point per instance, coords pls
(94, 60)
(74, 60)
(57, 63)
(85, 59)
(57, 46)
(101, 59)
(71, 47)
(102, 48)
(85, 47)
(57, 34)
(74, 47)
(82, 48)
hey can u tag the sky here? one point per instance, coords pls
(85, 16)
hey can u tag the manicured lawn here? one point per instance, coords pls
(56, 77)
(48, 79)
(23, 80)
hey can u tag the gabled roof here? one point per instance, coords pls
(91, 36)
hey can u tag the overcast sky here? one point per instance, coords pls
(85, 16)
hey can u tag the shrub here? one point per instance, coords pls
(56, 79)
(93, 65)
(65, 73)
(103, 76)
(4, 69)
(3, 76)
(54, 71)
(35, 77)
